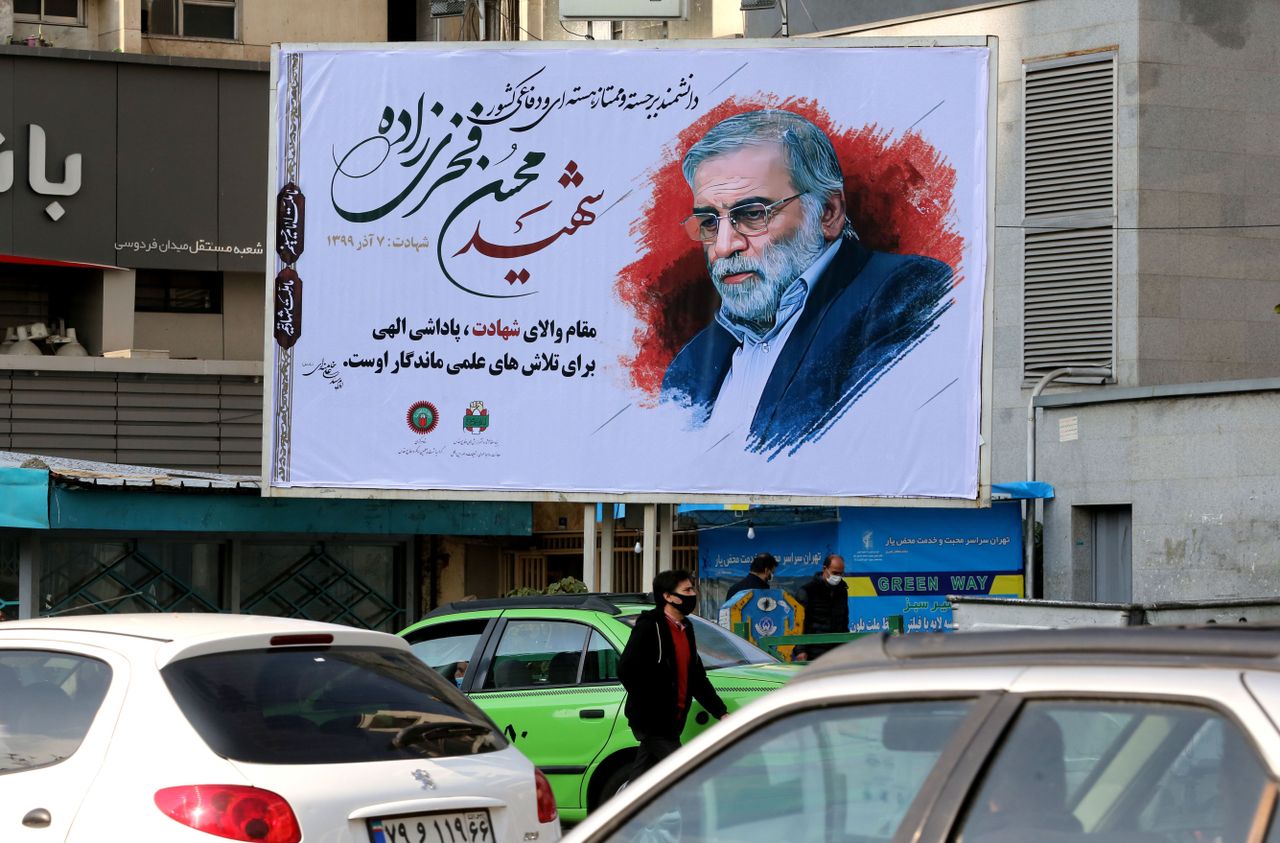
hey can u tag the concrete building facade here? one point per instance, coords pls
(1164, 489)
(144, 235)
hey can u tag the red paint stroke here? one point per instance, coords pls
(899, 195)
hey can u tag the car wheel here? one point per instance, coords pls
(613, 784)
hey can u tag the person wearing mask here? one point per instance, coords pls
(762, 568)
(826, 606)
(662, 672)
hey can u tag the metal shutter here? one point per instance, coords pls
(197, 422)
(1069, 181)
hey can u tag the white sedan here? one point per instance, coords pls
(1128, 735)
(178, 727)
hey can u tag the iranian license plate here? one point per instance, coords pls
(448, 827)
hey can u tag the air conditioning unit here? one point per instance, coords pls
(447, 8)
(758, 5)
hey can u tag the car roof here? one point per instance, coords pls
(1174, 646)
(608, 602)
(176, 627)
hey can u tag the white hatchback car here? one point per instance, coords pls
(178, 727)
(1139, 735)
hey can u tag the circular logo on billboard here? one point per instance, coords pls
(766, 604)
(423, 417)
(766, 627)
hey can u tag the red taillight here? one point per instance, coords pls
(232, 811)
(546, 799)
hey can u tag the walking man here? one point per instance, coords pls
(662, 673)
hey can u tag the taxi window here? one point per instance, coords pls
(537, 653)
(718, 647)
(47, 702)
(602, 660)
(448, 648)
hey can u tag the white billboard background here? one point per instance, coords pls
(374, 288)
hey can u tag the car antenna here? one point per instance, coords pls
(91, 605)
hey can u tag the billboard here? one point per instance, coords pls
(678, 272)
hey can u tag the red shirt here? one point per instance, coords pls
(681, 642)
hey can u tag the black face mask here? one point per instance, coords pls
(688, 602)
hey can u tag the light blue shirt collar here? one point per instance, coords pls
(792, 302)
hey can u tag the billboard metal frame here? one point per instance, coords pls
(683, 14)
(270, 362)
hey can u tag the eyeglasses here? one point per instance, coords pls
(749, 220)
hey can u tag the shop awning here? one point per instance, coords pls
(52, 493)
(1022, 490)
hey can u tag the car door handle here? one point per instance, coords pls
(37, 818)
(591, 714)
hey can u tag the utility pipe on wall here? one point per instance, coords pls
(1029, 525)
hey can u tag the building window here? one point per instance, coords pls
(49, 11)
(177, 291)
(1069, 206)
(190, 18)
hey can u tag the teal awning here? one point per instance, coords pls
(24, 498)
(30, 498)
(136, 511)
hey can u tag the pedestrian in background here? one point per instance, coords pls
(760, 575)
(662, 672)
(826, 606)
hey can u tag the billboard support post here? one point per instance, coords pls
(606, 547)
(590, 561)
(649, 546)
(666, 535)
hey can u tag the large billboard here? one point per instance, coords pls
(677, 272)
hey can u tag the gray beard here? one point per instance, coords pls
(754, 303)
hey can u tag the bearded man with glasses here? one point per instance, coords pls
(809, 318)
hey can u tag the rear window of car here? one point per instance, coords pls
(329, 705)
(717, 646)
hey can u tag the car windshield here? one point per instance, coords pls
(718, 647)
(326, 705)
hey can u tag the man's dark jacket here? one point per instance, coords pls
(866, 311)
(747, 583)
(648, 672)
(826, 609)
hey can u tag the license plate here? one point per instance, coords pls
(449, 827)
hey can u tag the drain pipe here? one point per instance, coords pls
(1029, 525)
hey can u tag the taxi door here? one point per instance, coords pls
(533, 687)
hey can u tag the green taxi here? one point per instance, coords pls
(546, 670)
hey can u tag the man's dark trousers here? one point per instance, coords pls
(653, 748)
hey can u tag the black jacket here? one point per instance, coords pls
(747, 583)
(826, 609)
(648, 672)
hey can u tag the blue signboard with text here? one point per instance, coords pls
(898, 562)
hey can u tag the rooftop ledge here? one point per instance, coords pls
(130, 365)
